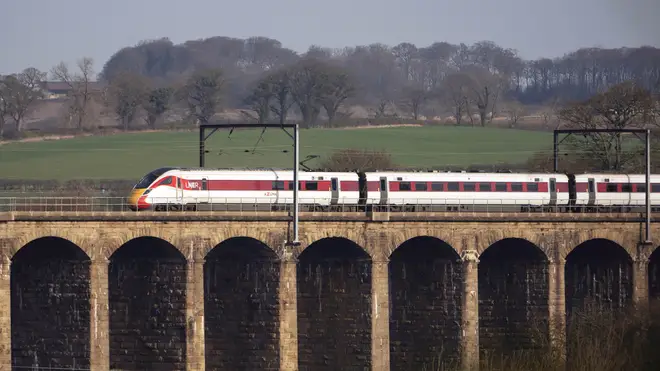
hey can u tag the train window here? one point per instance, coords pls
(278, 185)
(334, 184)
(626, 187)
(167, 181)
(452, 186)
(611, 187)
(311, 186)
(404, 186)
(437, 187)
(204, 184)
(641, 188)
(500, 187)
(420, 186)
(178, 182)
(469, 187)
(655, 187)
(516, 187)
(532, 187)
(484, 187)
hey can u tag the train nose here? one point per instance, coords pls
(134, 197)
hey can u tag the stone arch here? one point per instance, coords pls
(334, 305)
(50, 307)
(81, 242)
(491, 237)
(598, 274)
(513, 296)
(119, 242)
(402, 235)
(626, 240)
(241, 305)
(271, 238)
(147, 297)
(426, 292)
(356, 236)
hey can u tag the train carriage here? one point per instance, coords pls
(607, 191)
(220, 189)
(467, 191)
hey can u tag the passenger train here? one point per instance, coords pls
(171, 188)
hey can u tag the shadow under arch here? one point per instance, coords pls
(50, 308)
(654, 275)
(426, 291)
(241, 305)
(513, 297)
(598, 276)
(147, 298)
(334, 306)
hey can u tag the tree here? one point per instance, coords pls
(414, 98)
(157, 102)
(308, 84)
(203, 94)
(21, 92)
(128, 92)
(339, 87)
(358, 160)
(260, 99)
(81, 93)
(4, 106)
(514, 111)
(483, 90)
(455, 91)
(623, 106)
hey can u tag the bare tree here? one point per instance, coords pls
(339, 87)
(484, 89)
(623, 106)
(81, 93)
(259, 101)
(203, 94)
(157, 102)
(414, 98)
(21, 92)
(4, 106)
(308, 87)
(455, 91)
(514, 111)
(358, 160)
(127, 93)
(280, 86)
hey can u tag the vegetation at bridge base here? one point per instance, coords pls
(596, 340)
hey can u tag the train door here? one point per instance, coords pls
(334, 191)
(204, 194)
(592, 192)
(179, 191)
(553, 191)
(383, 190)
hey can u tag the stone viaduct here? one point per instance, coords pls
(195, 292)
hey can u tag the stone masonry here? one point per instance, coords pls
(372, 330)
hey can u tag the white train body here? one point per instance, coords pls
(468, 188)
(195, 189)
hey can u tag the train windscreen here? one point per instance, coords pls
(149, 178)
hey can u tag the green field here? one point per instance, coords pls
(129, 156)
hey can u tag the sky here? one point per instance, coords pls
(42, 33)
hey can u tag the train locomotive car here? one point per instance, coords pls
(236, 190)
(467, 191)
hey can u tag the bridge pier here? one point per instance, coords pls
(557, 306)
(470, 312)
(99, 316)
(195, 358)
(380, 316)
(288, 303)
(640, 293)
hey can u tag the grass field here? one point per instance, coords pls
(130, 156)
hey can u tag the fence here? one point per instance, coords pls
(248, 205)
